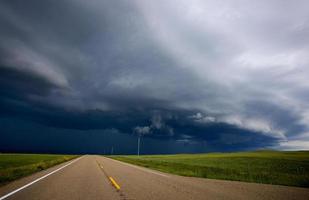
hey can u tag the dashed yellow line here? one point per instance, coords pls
(114, 183)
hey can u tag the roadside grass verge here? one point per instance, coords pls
(270, 167)
(14, 166)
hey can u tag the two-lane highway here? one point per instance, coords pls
(80, 180)
(97, 177)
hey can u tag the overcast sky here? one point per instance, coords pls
(190, 76)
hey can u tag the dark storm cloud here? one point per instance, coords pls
(210, 71)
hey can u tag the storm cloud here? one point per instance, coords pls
(221, 74)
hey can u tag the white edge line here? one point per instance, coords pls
(138, 167)
(27, 185)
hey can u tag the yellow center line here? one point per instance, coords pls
(114, 183)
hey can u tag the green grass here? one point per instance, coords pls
(14, 166)
(270, 167)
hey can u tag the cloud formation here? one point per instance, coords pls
(226, 73)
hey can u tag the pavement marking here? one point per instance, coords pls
(114, 183)
(102, 169)
(141, 168)
(37, 180)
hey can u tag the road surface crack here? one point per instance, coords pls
(113, 183)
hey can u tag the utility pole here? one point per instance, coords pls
(138, 143)
(112, 150)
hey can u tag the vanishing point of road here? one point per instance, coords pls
(97, 177)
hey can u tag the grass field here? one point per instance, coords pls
(14, 166)
(271, 167)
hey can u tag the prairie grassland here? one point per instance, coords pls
(14, 166)
(270, 167)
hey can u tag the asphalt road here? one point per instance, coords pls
(97, 177)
